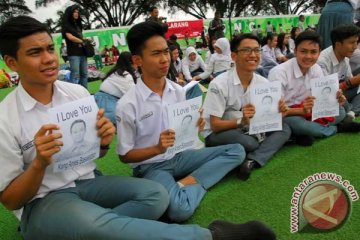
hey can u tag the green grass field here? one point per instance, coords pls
(266, 195)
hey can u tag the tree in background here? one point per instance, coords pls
(10, 8)
(110, 13)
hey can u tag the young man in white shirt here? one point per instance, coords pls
(335, 59)
(228, 110)
(78, 203)
(144, 135)
(295, 76)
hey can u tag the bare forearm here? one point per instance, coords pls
(24, 187)
(142, 154)
(296, 112)
(222, 125)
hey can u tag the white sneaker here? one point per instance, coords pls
(350, 117)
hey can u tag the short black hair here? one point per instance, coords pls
(308, 35)
(76, 122)
(342, 32)
(151, 9)
(140, 33)
(235, 42)
(15, 29)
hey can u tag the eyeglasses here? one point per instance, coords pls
(248, 50)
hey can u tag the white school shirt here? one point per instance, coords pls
(216, 65)
(267, 55)
(330, 64)
(117, 85)
(226, 97)
(178, 65)
(21, 116)
(295, 86)
(355, 60)
(141, 115)
(189, 66)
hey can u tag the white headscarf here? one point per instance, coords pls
(224, 45)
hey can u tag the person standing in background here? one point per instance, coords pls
(72, 33)
(63, 52)
(334, 13)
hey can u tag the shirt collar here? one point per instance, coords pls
(146, 92)
(236, 79)
(333, 57)
(29, 102)
(296, 68)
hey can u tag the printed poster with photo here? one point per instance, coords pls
(183, 118)
(324, 90)
(77, 121)
(265, 97)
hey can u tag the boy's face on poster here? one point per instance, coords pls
(78, 132)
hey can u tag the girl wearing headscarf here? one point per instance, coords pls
(192, 64)
(219, 62)
(72, 33)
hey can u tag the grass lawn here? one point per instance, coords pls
(266, 195)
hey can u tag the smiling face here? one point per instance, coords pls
(36, 61)
(307, 53)
(246, 61)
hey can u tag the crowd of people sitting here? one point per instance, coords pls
(133, 97)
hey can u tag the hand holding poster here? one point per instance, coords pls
(324, 90)
(265, 97)
(77, 121)
(183, 118)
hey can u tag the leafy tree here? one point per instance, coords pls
(111, 13)
(10, 8)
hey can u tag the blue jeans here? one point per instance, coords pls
(301, 126)
(108, 103)
(207, 166)
(107, 207)
(78, 68)
(194, 92)
(259, 152)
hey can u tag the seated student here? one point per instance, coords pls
(192, 64)
(295, 31)
(117, 82)
(144, 135)
(295, 76)
(268, 57)
(219, 62)
(282, 50)
(79, 203)
(228, 111)
(335, 59)
(175, 73)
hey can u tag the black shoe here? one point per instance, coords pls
(348, 127)
(245, 169)
(222, 230)
(304, 140)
